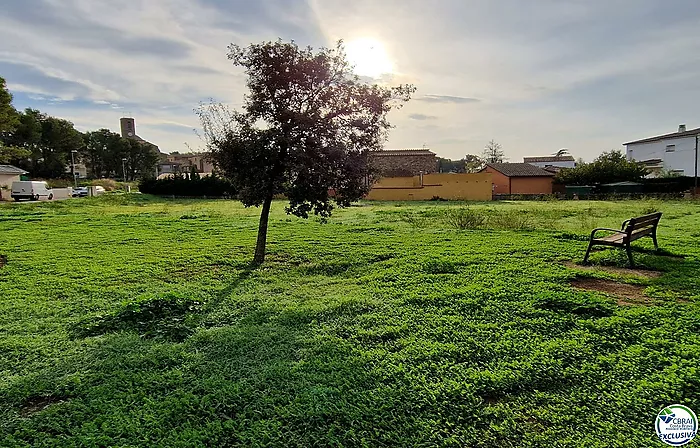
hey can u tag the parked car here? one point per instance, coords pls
(80, 192)
(31, 190)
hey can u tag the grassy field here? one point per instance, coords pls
(134, 321)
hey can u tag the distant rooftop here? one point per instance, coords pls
(404, 152)
(549, 159)
(9, 169)
(519, 170)
(688, 133)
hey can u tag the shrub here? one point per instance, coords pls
(510, 220)
(464, 218)
(178, 185)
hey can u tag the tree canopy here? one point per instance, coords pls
(493, 153)
(9, 120)
(305, 130)
(611, 166)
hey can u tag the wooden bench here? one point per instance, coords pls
(631, 230)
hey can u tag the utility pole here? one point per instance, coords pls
(696, 164)
(75, 179)
(124, 168)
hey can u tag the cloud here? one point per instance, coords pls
(447, 99)
(536, 76)
(422, 117)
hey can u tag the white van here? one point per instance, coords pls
(31, 190)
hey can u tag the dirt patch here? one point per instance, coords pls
(647, 273)
(3, 260)
(490, 400)
(37, 404)
(626, 294)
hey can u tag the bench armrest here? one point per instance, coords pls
(624, 224)
(605, 229)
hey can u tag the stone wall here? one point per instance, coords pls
(404, 163)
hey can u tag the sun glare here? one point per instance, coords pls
(369, 58)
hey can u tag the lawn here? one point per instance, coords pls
(135, 321)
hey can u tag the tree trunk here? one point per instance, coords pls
(262, 232)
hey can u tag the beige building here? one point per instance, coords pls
(200, 161)
(9, 174)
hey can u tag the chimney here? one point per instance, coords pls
(681, 128)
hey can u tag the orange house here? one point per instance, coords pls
(519, 178)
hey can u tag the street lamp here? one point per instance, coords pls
(124, 168)
(696, 164)
(72, 159)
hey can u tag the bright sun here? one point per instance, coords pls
(369, 57)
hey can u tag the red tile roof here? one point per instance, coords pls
(519, 170)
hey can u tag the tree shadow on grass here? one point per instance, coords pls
(273, 379)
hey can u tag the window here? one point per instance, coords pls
(670, 148)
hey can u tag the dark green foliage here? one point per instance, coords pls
(609, 167)
(9, 120)
(168, 316)
(188, 186)
(105, 150)
(49, 141)
(451, 166)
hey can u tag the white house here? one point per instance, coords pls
(671, 152)
(551, 161)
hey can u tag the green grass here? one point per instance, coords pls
(134, 321)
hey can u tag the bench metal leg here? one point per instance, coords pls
(588, 252)
(653, 237)
(629, 255)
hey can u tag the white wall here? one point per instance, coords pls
(683, 158)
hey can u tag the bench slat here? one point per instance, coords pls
(640, 233)
(617, 238)
(644, 221)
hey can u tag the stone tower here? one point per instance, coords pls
(128, 127)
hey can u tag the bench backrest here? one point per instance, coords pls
(643, 225)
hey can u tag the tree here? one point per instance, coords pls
(473, 163)
(450, 166)
(142, 159)
(103, 152)
(562, 152)
(611, 166)
(49, 141)
(9, 120)
(493, 153)
(305, 130)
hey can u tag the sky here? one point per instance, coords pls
(535, 76)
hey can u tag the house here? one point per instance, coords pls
(403, 162)
(201, 162)
(551, 161)
(673, 152)
(9, 174)
(519, 178)
(81, 171)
